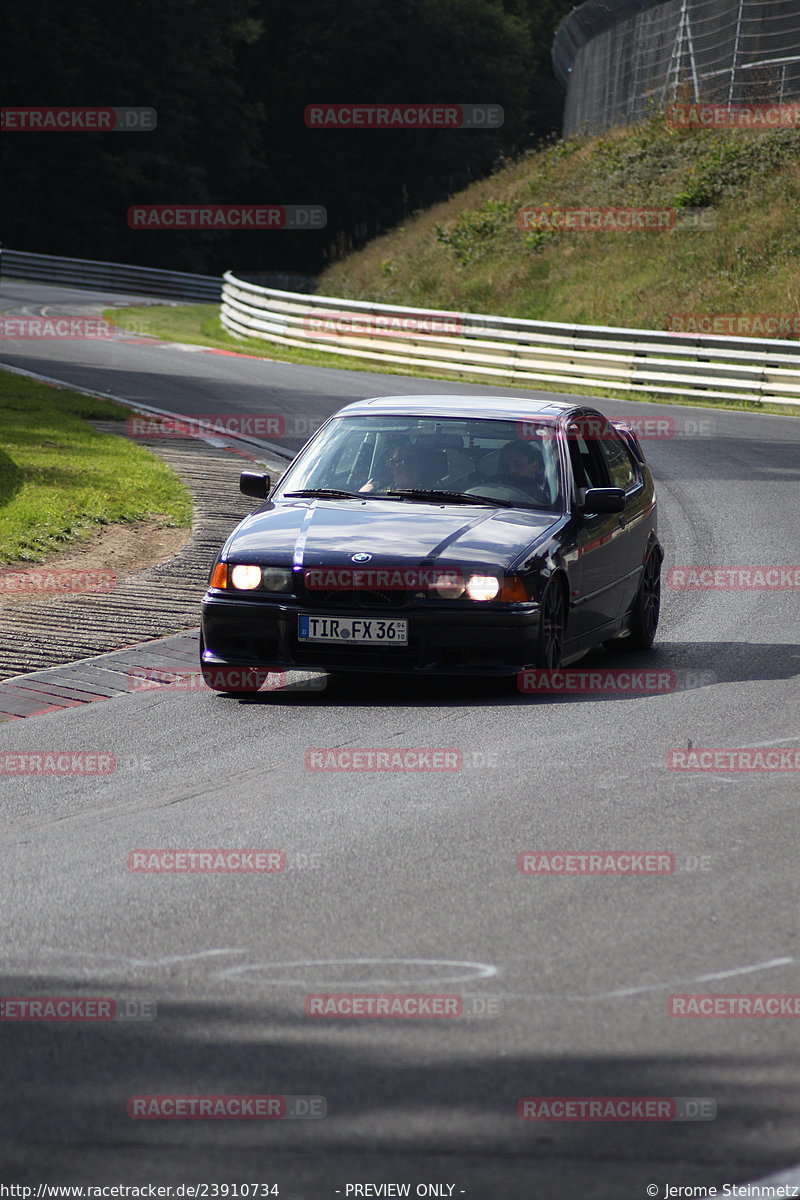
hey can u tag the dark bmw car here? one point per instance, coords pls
(440, 535)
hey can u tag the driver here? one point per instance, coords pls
(407, 467)
(521, 465)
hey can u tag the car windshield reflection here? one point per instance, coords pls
(435, 459)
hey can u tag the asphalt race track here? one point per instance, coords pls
(407, 882)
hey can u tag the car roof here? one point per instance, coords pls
(501, 407)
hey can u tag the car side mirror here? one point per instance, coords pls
(604, 500)
(254, 483)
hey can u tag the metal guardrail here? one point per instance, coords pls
(103, 276)
(630, 360)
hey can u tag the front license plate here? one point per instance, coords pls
(373, 630)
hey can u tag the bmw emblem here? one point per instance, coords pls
(361, 557)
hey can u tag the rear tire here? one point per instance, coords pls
(646, 609)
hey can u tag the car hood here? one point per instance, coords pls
(319, 533)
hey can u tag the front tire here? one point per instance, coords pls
(552, 626)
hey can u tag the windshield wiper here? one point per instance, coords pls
(453, 497)
(330, 493)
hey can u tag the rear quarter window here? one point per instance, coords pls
(624, 471)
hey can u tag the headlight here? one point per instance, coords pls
(483, 587)
(245, 577)
(276, 579)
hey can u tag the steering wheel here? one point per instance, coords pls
(534, 489)
(497, 490)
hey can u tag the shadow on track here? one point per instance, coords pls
(398, 1092)
(692, 665)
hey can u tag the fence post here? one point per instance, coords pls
(737, 36)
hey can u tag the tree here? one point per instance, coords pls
(231, 85)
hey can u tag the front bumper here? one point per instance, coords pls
(445, 638)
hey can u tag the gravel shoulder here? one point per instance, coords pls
(134, 604)
(121, 550)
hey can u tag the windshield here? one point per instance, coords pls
(502, 461)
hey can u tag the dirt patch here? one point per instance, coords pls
(118, 550)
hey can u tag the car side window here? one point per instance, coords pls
(588, 464)
(622, 469)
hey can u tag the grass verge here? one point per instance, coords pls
(199, 325)
(60, 478)
(469, 253)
